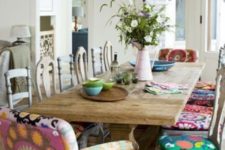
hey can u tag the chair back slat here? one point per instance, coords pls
(221, 56)
(81, 65)
(15, 98)
(45, 76)
(215, 131)
(66, 76)
(107, 55)
(97, 61)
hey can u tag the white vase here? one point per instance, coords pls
(143, 65)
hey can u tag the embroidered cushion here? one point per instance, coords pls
(192, 121)
(198, 109)
(178, 55)
(202, 98)
(191, 55)
(163, 53)
(186, 142)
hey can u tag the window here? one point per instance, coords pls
(180, 20)
(212, 25)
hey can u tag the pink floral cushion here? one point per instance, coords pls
(192, 121)
(198, 109)
(21, 130)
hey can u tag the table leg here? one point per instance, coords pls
(132, 138)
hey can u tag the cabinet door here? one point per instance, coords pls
(47, 5)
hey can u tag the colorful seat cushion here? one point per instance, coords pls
(163, 53)
(205, 85)
(21, 130)
(191, 121)
(198, 109)
(119, 145)
(191, 55)
(178, 55)
(202, 98)
(185, 142)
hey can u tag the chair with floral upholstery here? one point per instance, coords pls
(216, 135)
(24, 131)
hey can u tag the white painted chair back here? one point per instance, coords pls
(15, 98)
(221, 56)
(107, 55)
(217, 123)
(66, 72)
(81, 65)
(45, 77)
(97, 61)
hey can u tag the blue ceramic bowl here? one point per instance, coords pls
(92, 91)
(159, 65)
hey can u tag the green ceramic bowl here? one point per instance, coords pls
(93, 82)
(108, 85)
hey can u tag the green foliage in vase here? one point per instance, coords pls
(140, 26)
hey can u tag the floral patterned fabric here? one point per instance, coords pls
(121, 145)
(202, 97)
(192, 121)
(179, 55)
(24, 131)
(205, 86)
(198, 109)
(186, 142)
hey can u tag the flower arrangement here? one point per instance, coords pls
(141, 27)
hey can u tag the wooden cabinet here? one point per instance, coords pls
(79, 39)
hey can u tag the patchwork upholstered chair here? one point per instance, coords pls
(216, 134)
(24, 131)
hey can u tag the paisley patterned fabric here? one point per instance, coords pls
(198, 109)
(191, 55)
(192, 121)
(163, 53)
(185, 142)
(177, 55)
(24, 131)
(121, 145)
(202, 97)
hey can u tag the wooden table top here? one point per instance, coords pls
(138, 108)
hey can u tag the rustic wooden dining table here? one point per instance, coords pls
(139, 107)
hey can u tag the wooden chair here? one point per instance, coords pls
(21, 130)
(15, 98)
(66, 76)
(81, 65)
(45, 77)
(107, 55)
(97, 61)
(216, 134)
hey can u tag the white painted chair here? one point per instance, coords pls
(15, 98)
(66, 72)
(97, 61)
(81, 65)
(107, 55)
(45, 77)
